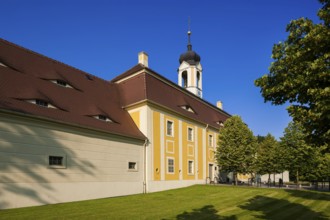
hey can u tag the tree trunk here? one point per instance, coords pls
(236, 174)
(274, 179)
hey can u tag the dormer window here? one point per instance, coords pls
(61, 83)
(220, 123)
(187, 108)
(41, 103)
(103, 118)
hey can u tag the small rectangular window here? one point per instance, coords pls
(132, 166)
(41, 103)
(169, 128)
(61, 83)
(190, 167)
(170, 165)
(190, 134)
(211, 140)
(57, 161)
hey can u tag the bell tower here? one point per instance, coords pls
(190, 70)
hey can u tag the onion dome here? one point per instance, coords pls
(190, 56)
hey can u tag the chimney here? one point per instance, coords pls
(219, 105)
(143, 58)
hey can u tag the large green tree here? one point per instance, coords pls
(236, 147)
(270, 156)
(303, 161)
(300, 74)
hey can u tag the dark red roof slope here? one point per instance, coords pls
(151, 86)
(27, 76)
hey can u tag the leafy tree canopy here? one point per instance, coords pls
(268, 156)
(304, 161)
(300, 74)
(236, 146)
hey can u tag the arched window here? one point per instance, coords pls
(198, 79)
(184, 79)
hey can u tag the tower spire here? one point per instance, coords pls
(189, 33)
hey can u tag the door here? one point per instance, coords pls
(211, 171)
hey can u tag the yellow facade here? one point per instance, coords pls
(136, 118)
(194, 152)
(188, 149)
(171, 148)
(156, 146)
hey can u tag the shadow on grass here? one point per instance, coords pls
(310, 195)
(206, 212)
(272, 208)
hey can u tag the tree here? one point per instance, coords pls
(269, 156)
(300, 74)
(236, 147)
(304, 161)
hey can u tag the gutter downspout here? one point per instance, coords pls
(145, 166)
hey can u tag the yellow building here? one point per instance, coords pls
(66, 135)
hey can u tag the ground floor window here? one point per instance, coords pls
(132, 166)
(190, 167)
(55, 161)
(170, 165)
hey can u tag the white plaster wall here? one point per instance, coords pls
(285, 177)
(96, 163)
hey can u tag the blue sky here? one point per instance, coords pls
(233, 38)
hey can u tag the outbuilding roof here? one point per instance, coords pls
(66, 94)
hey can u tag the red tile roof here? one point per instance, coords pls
(27, 76)
(151, 86)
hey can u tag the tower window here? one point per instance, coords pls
(184, 79)
(198, 80)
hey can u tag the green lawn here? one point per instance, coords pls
(196, 202)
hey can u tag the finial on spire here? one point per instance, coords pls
(189, 33)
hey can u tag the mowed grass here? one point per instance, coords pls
(196, 202)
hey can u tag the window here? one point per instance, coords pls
(184, 79)
(56, 161)
(103, 118)
(170, 165)
(41, 103)
(190, 134)
(132, 166)
(187, 108)
(61, 83)
(169, 128)
(210, 140)
(190, 167)
(198, 84)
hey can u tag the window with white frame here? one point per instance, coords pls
(170, 165)
(190, 134)
(132, 166)
(56, 161)
(190, 167)
(169, 128)
(210, 140)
